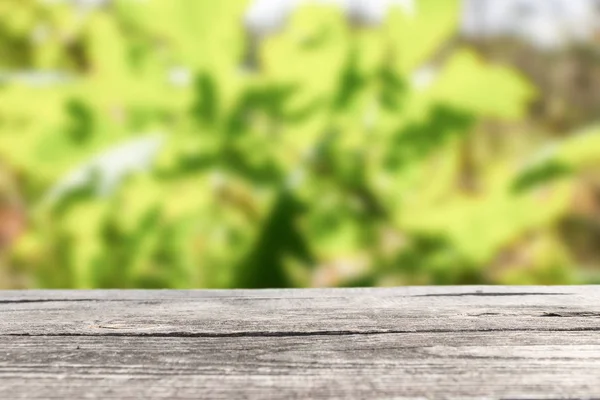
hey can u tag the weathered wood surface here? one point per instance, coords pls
(406, 343)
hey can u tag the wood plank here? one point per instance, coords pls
(406, 343)
(416, 365)
(304, 312)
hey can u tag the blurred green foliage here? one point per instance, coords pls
(339, 160)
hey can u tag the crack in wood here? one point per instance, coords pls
(290, 333)
(27, 301)
(490, 294)
(555, 398)
(572, 314)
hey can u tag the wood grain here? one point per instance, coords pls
(405, 343)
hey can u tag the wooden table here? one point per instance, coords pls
(407, 343)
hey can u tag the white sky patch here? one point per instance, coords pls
(374, 12)
(408, 6)
(180, 77)
(424, 77)
(543, 23)
(266, 17)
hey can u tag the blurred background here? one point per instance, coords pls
(291, 143)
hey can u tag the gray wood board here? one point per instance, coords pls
(401, 343)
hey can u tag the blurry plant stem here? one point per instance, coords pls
(468, 180)
(251, 57)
